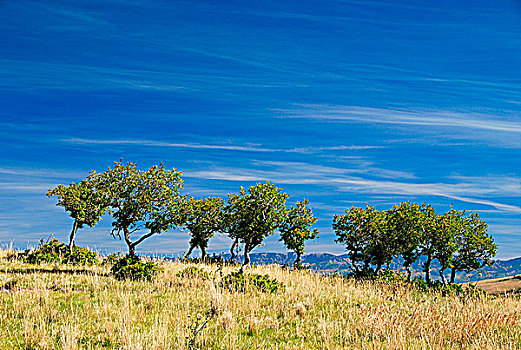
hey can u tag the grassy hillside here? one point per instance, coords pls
(50, 307)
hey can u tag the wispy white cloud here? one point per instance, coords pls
(470, 190)
(249, 148)
(23, 188)
(404, 117)
(41, 173)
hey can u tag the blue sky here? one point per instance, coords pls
(341, 102)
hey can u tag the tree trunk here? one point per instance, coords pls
(378, 267)
(409, 272)
(427, 268)
(443, 279)
(452, 275)
(366, 267)
(203, 253)
(73, 234)
(131, 247)
(187, 255)
(246, 255)
(232, 249)
(297, 260)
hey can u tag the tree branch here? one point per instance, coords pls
(142, 238)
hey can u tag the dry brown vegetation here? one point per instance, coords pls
(50, 307)
(498, 286)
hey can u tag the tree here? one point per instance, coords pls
(429, 236)
(143, 200)
(84, 201)
(445, 246)
(203, 218)
(296, 229)
(475, 247)
(364, 233)
(404, 228)
(252, 216)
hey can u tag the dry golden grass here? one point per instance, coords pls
(500, 285)
(60, 307)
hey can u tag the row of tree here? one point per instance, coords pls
(146, 203)
(150, 202)
(457, 240)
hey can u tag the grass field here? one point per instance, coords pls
(53, 307)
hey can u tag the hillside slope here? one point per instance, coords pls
(330, 263)
(65, 307)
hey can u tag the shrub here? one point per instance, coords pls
(82, 256)
(193, 272)
(208, 260)
(237, 281)
(132, 268)
(111, 259)
(54, 251)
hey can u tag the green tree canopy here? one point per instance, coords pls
(372, 238)
(475, 246)
(204, 217)
(363, 231)
(430, 235)
(143, 200)
(404, 229)
(296, 228)
(450, 226)
(253, 215)
(84, 201)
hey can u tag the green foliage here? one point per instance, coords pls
(82, 256)
(131, 267)
(54, 251)
(193, 272)
(203, 217)
(111, 259)
(143, 199)
(430, 235)
(373, 238)
(475, 247)
(252, 216)
(241, 282)
(404, 228)
(296, 229)
(85, 202)
(364, 233)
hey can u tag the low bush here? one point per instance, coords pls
(133, 268)
(209, 260)
(111, 259)
(54, 251)
(193, 272)
(241, 282)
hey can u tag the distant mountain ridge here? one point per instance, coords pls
(330, 263)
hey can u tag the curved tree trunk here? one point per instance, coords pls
(246, 257)
(73, 234)
(443, 279)
(187, 255)
(297, 260)
(131, 246)
(232, 249)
